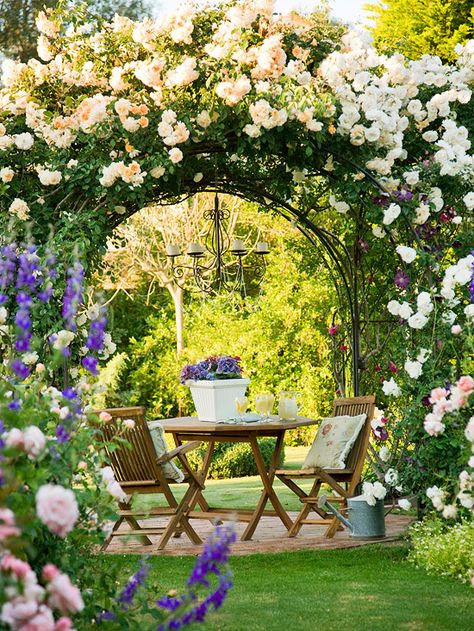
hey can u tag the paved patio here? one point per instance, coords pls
(269, 537)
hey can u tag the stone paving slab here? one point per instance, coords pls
(270, 537)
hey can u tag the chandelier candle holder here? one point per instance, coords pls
(220, 265)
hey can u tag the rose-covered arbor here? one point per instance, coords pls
(367, 154)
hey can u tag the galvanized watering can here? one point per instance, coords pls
(364, 521)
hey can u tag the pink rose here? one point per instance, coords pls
(19, 611)
(7, 516)
(19, 568)
(64, 624)
(456, 329)
(433, 425)
(50, 571)
(105, 417)
(43, 621)
(14, 438)
(466, 384)
(129, 423)
(8, 531)
(64, 596)
(469, 431)
(35, 441)
(57, 508)
(116, 491)
(437, 394)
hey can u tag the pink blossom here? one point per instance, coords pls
(18, 612)
(35, 441)
(441, 407)
(456, 329)
(392, 367)
(14, 438)
(105, 417)
(7, 516)
(42, 621)
(437, 394)
(129, 423)
(49, 572)
(57, 508)
(10, 563)
(433, 425)
(466, 384)
(8, 531)
(332, 330)
(469, 431)
(63, 624)
(63, 595)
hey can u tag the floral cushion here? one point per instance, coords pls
(170, 470)
(334, 441)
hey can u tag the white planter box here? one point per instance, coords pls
(215, 400)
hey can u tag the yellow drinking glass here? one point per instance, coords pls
(264, 403)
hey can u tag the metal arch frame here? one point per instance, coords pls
(335, 250)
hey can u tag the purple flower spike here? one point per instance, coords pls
(20, 369)
(90, 363)
(73, 295)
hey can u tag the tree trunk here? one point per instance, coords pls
(177, 295)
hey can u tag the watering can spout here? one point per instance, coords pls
(323, 503)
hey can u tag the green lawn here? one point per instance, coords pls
(371, 588)
(362, 589)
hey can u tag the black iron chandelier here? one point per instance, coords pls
(220, 265)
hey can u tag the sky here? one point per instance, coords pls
(347, 10)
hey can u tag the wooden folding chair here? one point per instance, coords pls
(342, 481)
(138, 469)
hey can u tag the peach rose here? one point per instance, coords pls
(466, 384)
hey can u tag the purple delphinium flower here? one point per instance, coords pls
(471, 284)
(90, 363)
(96, 337)
(126, 596)
(187, 608)
(20, 369)
(401, 279)
(15, 405)
(8, 259)
(61, 434)
(73, 295)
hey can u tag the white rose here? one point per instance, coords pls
(425, 306)
(391, 388)
(394, 307)
(157, 172)
(407, 254)
(391, 213)
(404, 504)
(411, 177)
(384, 453)
(417, 321)
(391, 477)
(469, 200)
(405, 311)
(413, 368)
(378, 232)
(24, 141)
(422, 214)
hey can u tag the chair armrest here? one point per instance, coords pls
(182, 449)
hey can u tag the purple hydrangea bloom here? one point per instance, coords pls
(219, 367)
(194, 372)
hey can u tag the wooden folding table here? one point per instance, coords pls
(190, 428)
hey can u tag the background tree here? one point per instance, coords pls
(418, 27)
(136, 253)
(18, 32)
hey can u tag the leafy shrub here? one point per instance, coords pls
(234, 460)
(442, 549)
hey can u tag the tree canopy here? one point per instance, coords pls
(18, 32)
(419, 27)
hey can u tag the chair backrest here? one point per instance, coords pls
(352, 407)
(138, 463)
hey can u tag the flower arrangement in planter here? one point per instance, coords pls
(215, 383)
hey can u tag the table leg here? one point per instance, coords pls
(201, 474)
(268, 492)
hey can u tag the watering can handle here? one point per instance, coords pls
(322, 501)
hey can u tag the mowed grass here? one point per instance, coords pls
(372, 588)
(244, 492)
